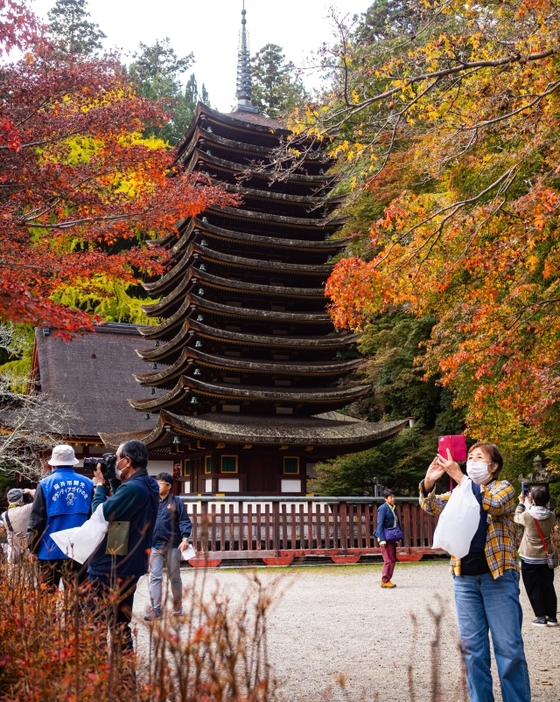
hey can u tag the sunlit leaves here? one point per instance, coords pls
(82, 191)
(462, 127)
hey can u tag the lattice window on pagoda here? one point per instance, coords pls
(229, 464)
(284, 410)
(208, 464)
(187, 468)
(291, 465)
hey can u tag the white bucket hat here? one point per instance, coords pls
(63, 455)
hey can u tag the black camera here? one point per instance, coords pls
(108, 464)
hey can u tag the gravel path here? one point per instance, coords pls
(336, 620)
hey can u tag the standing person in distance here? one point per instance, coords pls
(387, 519)
(170, 539)
(134, 504)
(538, 578)
(62, 501)
(486, 580)
(15, 521)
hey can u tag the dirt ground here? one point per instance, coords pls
(335, 622)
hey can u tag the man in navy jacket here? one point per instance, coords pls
(170, 539)
(387, 519)
(135, 502)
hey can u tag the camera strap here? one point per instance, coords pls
(8, 522)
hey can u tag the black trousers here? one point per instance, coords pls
(112, 602)
(65, 569)
(538, 579)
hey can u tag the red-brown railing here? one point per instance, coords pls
(278, 529)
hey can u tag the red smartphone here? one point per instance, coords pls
(456, 443)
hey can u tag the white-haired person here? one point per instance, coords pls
(15, 521)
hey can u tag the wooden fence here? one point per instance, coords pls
(278, 529)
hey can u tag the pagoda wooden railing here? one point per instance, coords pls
(276, 530)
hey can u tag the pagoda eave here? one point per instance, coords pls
(223, 363)
(317, 223)
(342, 432)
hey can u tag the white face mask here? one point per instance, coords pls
(118, 473)
(478, 471)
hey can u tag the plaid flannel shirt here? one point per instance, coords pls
(498, 500)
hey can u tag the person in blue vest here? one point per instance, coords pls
(170, 539)
(134, 505)
(387, 519)
(62, 500)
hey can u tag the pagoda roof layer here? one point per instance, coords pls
(329, 430)
(201, 159)
(270, 129)
(202, 304)
(244, 286)
(327, 245)
(214, 231)
(299, 222)
(203, 137)
(238, 393)
(333, 342)
(209, 255)
(242, 365)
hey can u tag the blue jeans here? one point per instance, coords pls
(484, 604)
(171, 557)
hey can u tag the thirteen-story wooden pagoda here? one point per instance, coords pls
(246, 370)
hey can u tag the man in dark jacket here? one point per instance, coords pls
(387, 519)
(170, 539)
(134, 505)
(62, 501)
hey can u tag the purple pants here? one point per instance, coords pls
(389, 553)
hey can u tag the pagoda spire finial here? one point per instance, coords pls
(244, 69)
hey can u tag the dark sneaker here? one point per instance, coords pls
(551, 621)
(539, 621)
(152, 614)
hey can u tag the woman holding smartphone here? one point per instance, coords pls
(486, 580)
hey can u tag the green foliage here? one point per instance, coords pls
(388, 19)
(399, 463)
(391, 343)
(16, 347)
(275, 90)
(69, 24)
(157, 72)
(17, 372)
(113, 301)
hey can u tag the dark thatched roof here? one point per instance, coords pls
(93, 375)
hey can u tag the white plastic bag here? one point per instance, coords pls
(188, 553)
(458, 522)
(80, 542)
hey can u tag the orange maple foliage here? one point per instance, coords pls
(467, 166)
